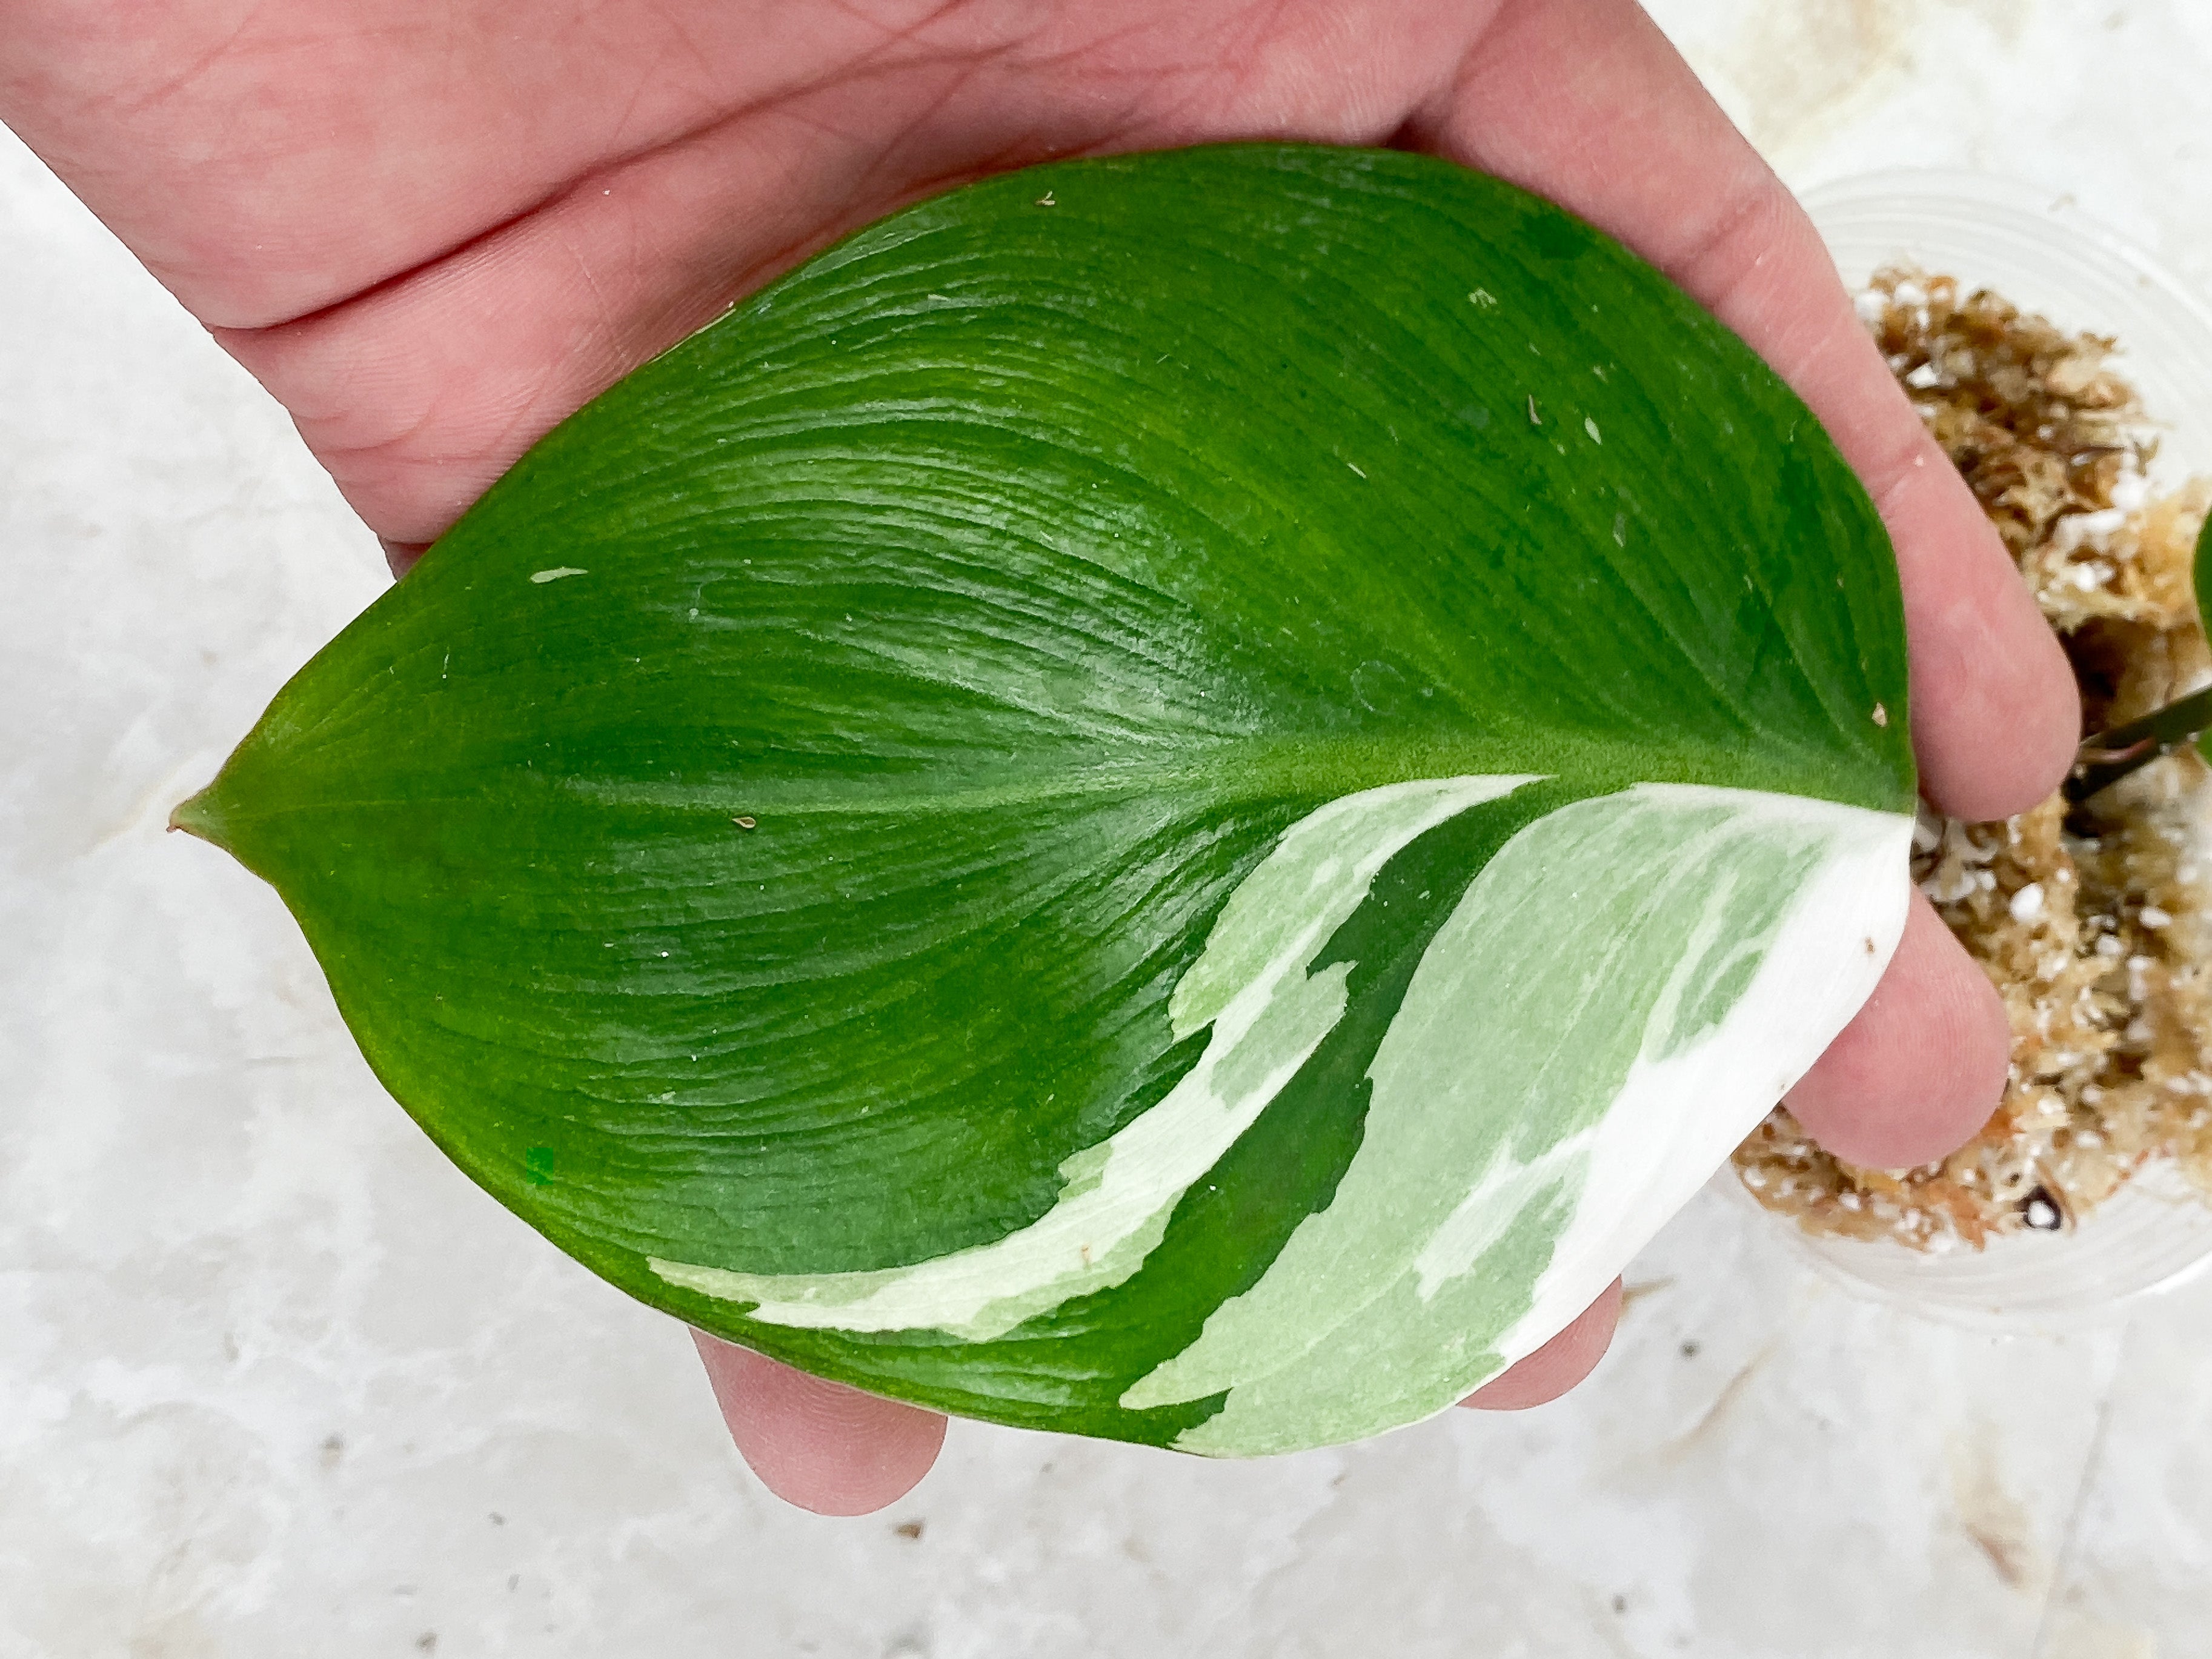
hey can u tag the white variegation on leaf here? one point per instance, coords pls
(1268, 1015)
(1624, 990)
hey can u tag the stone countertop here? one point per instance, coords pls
(275, 1379)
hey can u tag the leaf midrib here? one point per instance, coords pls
(1276, 769)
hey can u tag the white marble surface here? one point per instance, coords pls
(274, 1380)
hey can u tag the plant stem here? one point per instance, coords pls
(2105, 759)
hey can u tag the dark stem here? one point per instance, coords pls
(2105, 759)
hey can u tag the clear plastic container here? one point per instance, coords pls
(2152, 1236)
(2041, 251)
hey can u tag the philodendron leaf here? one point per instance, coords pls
(1177, 797)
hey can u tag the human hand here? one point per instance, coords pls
(432, 237)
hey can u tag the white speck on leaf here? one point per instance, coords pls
(1483, 297)
(1533, 418)
(1591, 427)
(1355, 468)
(1046, 200)
(1620, 530)
(556, 573)
(1880, 715)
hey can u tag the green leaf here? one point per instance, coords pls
(1177, 797)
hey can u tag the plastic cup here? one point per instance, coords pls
(2043, 253)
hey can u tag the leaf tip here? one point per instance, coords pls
(202, 816)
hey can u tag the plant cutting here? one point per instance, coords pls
(1176, 798)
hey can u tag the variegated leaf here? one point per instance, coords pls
(1177, 797)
